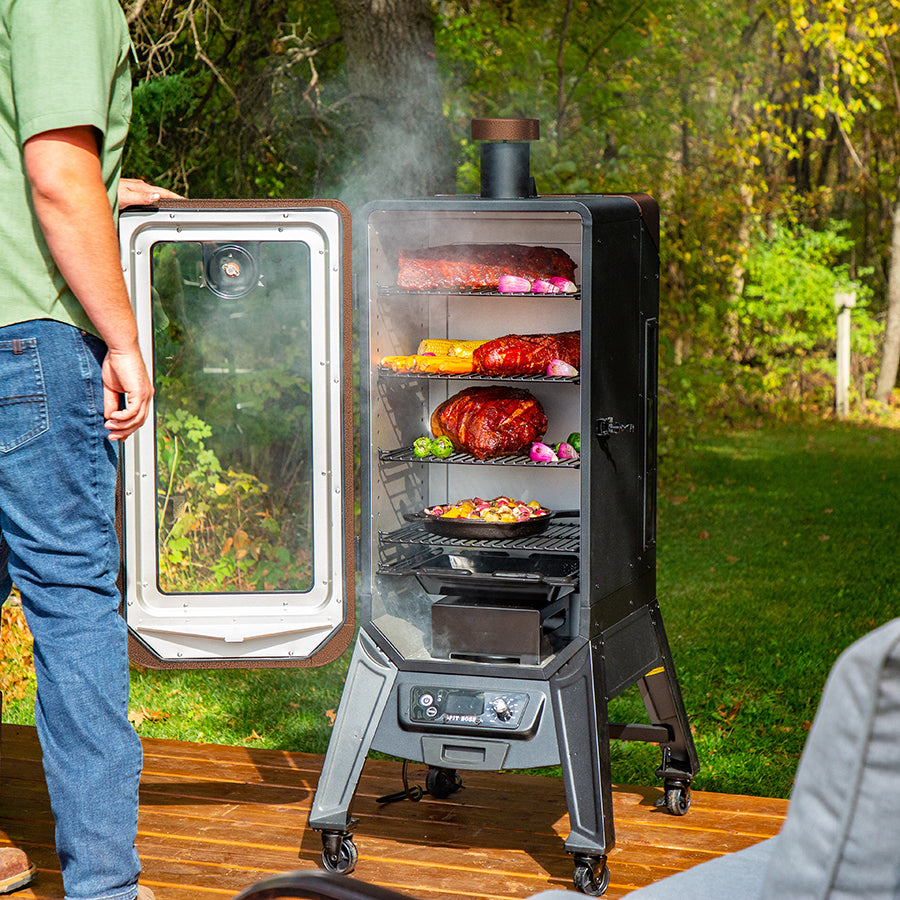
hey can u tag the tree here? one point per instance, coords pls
(289, 98)
(890, 353)
(228, 96)
(398, 143)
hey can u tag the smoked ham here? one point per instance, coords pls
(462, 266)
(527, 354)
(490, 421)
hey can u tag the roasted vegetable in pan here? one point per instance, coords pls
(500, 509)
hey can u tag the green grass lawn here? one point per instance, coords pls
(777, 548)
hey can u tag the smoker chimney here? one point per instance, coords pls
(506, 156)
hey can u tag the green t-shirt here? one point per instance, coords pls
(63, 63)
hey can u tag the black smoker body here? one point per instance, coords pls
(494, 654)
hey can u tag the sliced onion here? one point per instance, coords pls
(542, 453)
(543, 287)
(513, 284)
(558, 368)
(566, 451)
(565, 286)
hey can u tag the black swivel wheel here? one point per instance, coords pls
(591, 875)
(441, 783)
(339, 853)
(678, 798)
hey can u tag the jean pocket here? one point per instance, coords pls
(23, 398)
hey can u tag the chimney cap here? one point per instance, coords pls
(506, 129)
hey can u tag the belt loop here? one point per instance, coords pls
(17, 346)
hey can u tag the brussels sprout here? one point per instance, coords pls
(442, 447)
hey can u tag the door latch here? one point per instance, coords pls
(607, 427)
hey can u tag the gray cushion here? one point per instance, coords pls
(841, 837)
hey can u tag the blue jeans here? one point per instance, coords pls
(57, 515)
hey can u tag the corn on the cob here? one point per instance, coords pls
(441, 365)
(440, 347)
(446, 365)
(399, 363)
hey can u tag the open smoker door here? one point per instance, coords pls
(237, 495)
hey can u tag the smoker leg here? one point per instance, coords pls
(582, 733)
(370, 680)
(662, 698)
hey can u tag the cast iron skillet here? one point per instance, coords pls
(473, 528)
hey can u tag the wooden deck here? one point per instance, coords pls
(216, 819)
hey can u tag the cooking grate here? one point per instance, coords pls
(406, 454)
(385, 372)
(558, 538)
(499, 576)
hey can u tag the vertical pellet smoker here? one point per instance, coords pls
(504, 653)
(472, 653)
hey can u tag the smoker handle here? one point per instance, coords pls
(317, 885)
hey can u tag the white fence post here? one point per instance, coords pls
(844, 301)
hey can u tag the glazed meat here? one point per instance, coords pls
(460, 266)
(527, 354)
(490, 421)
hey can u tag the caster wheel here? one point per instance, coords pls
(678, 799)
(344, 860)
(588, 880)
(441, 783)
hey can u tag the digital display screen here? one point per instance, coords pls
(464, 703)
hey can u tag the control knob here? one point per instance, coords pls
(502, 710)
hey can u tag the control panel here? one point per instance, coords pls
(466, 707)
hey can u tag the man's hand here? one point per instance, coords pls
(136, 192)
(124, 374)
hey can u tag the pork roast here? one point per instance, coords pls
(527, 354)
(490, 421)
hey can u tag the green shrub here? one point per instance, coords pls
(786, 315)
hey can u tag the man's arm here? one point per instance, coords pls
(74, 213)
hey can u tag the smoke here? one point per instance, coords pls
(400, 155)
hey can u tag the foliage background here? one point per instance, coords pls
(751, 123)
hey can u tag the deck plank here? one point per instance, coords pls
(216, 819)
